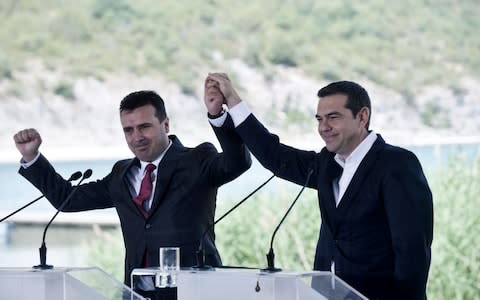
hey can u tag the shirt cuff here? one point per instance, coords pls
(218, 122)
(26, 164)
(239, 113)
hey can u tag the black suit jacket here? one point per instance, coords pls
(380, 234)
(184, 201)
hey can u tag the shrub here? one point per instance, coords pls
(65, 89)
(455, 269)
(243, 238)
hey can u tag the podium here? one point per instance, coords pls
(241, 284)
(62, 284)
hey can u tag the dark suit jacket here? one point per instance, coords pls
(380, 234)
(184, 201)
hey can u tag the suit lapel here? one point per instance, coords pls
(166, 170)
(126, 186)
(332, 171)
(361, 173)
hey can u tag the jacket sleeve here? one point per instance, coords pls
(235, 158)
(284, 161)
(409, 208)
(56, 189)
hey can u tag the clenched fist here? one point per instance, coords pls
(27, 142)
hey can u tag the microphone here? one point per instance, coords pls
(270, 255)
(43, 249)
(201, 252)
(73, 177)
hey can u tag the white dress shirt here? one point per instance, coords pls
(135, 176)
(350, 166)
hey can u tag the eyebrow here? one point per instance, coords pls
(333, 113)
(138, 125)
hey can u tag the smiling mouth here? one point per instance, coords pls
(141, 147)
(328, 137)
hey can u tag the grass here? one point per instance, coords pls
(243, 238)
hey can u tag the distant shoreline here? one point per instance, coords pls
(65, 153)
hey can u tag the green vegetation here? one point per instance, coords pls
(65, 89)
(244, 237)
(402, 45)
(455, 271)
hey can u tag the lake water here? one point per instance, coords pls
(19, 242)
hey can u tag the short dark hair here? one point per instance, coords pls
(142, 98)
(357, 96)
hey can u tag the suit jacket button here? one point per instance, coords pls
(148, 226)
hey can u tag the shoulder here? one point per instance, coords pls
(392, 151)
(205, 148)
(122, 165)
(397, 157)
(178, 147)
(201, 150)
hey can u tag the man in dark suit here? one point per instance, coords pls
(180, 205)
(375, 202)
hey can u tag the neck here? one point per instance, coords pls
(361, 138)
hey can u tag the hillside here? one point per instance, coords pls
(64, 65)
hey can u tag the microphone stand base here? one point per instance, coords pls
(271, 270)
(201, 268)
(43, 267)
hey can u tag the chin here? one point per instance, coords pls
(142, 157)
(331, 148)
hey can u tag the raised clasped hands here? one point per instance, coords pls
(222, 84)
(213, 97)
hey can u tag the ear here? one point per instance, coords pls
(363, 116)
(167, 125)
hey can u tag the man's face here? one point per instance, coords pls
(341, 131)
(146, 136)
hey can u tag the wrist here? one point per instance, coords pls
(233, 100)
(28, 159)
(217, 115)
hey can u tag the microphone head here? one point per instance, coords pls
(87, 173)
(75, 176)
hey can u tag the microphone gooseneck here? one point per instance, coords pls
(271, 255)
(73, 177)
(43, 249)
(201, 251)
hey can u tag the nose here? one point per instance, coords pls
(323, 126)
(137, 135)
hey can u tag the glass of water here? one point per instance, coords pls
(169, 266)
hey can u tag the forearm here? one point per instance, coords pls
(56, 189)
(234, 151)
(44, 177)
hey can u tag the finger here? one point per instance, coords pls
(214, 76)
(211, 83)
(31, 134)
(221, 78)
(25, 135)
(213, 93)
(220, 75)
(19, 137)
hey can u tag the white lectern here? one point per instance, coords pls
(62, 284)
(241, 284)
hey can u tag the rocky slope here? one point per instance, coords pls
(84, 122)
